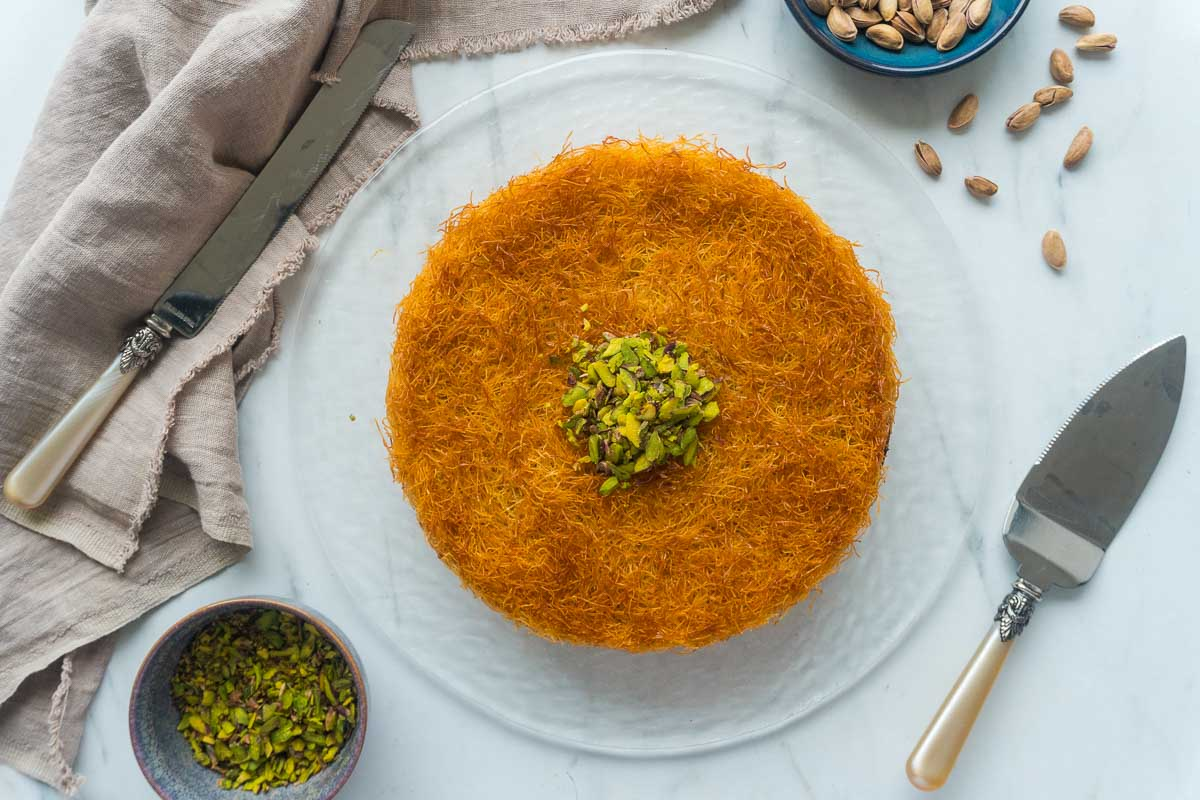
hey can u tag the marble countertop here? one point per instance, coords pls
(1100, 699)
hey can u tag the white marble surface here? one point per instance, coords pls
(1100, 698)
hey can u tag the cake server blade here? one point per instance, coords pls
(1067, 511)
(1079, 494)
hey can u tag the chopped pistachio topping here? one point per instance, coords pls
(634, 403)
(264, 700)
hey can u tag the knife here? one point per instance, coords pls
(1066, 513)
(190, 302)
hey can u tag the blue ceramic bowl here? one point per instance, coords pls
(914, 59)
(162, 752)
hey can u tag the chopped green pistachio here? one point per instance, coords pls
(255, 691)
(635, 403)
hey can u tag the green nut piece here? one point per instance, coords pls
(264, 699)
(635, 403)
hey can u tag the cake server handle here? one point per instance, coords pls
(933, 758)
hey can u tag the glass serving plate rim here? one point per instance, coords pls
(933, 589)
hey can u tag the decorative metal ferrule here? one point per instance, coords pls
(141, 348)
(1016, 609)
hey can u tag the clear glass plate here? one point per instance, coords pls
(603, 699)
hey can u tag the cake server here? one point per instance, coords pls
(192, 299)
(1066, 513)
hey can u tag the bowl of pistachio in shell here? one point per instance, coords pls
(907, 38)
(251, 694)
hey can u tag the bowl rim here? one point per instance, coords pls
(319, 620)
(877, 68)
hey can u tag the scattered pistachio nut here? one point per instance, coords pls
(845, 3)
(634, 403)
(909, 27)
(840, 24)
(819, 6)
(863, 18)
(888, 9)
(1079, 16)
(952, 34)
(923, 11)
(1054, 250)
(977, 13)
(1024, 117)
(963, 112)
(927, 158)
(940, 4)
(1096, 43)
(868, 5)
(905, 5)
(935, 27)
(1079, 148)
(1061, 68)
(980, 186)
(1052, 96)
(886, 37)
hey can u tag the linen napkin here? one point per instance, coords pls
(156, 123)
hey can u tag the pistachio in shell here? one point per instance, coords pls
(1054, 250)
(1079, 147)
(952, 34)
(927, 159)
(886, 37)
(980, 186)
(1023, 118)
(1061, 68)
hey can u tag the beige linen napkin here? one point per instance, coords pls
(161, 116)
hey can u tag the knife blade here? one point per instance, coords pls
(1067, 511)
(196, 293)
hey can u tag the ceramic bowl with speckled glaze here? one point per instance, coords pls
(914, 59)
(162, 752)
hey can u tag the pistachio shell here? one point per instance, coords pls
(887, 9)
(818, 6)
(923, 11)
(963, 113)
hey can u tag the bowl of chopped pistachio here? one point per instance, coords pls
(250, 694)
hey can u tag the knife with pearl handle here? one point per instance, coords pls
(190, 302)
(1066, 513)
